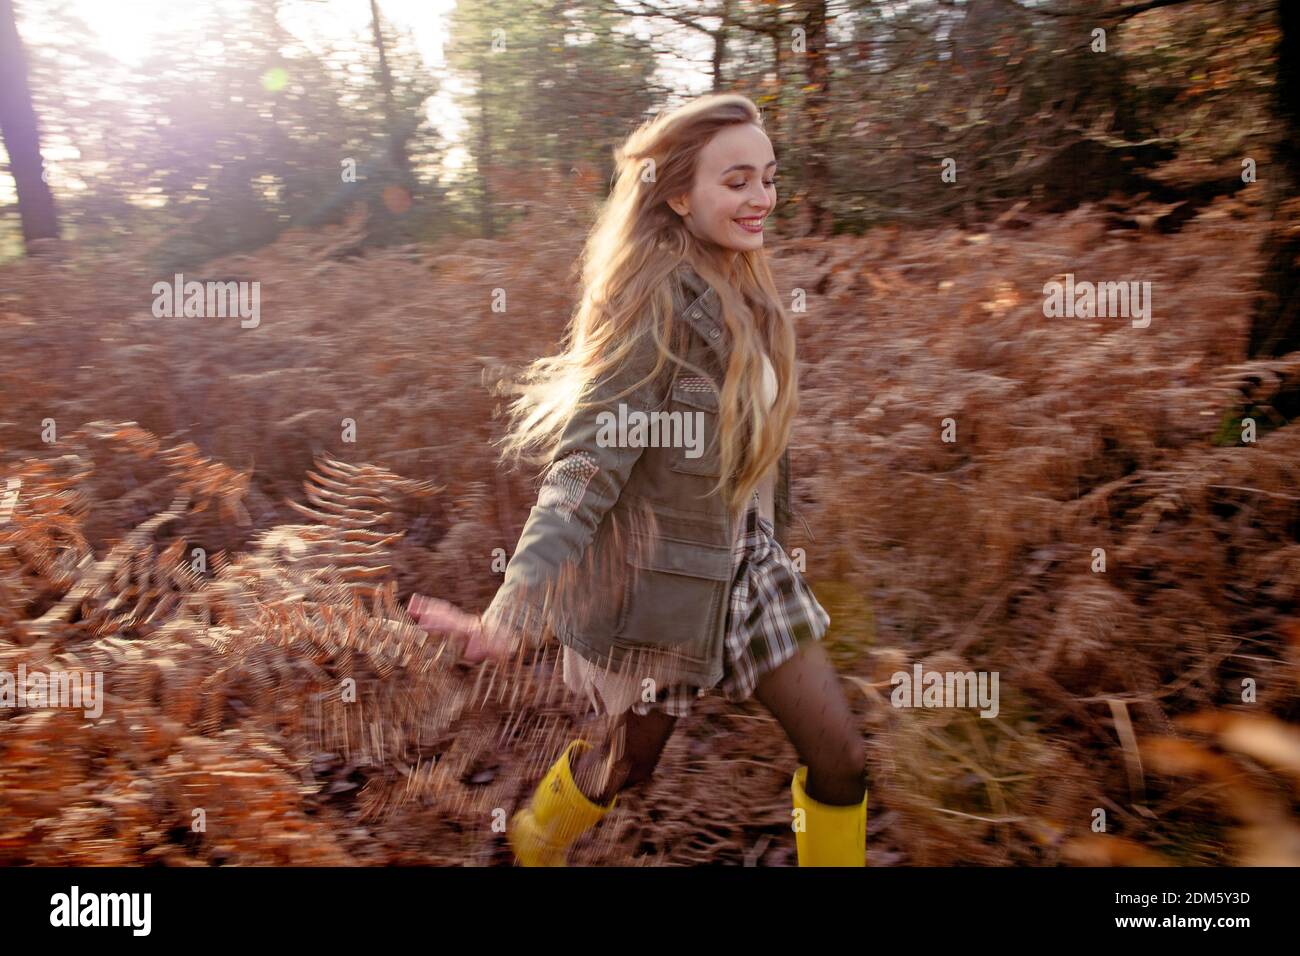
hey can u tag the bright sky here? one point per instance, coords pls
(128, 29)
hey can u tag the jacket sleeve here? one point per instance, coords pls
(582, 482)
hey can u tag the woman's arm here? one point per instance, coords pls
(583, 482)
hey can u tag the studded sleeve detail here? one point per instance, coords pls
(543, 581)
(694, 383)
(566, 482)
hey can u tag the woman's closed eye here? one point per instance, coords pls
(766, 182)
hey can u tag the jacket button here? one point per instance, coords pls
(695, 314)
(713, 333)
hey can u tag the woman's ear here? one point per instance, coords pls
(680, 205)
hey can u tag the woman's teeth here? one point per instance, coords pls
(751, 225)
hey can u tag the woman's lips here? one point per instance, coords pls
(751, 225)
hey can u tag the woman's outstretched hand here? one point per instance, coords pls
(476, 644)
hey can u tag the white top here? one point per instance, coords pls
(769, 382)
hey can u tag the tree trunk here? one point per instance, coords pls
(396, 143)
(720, 46)
(816, 101)
(775, 116)
(487, 221)
(1275, 325)
(21, 136)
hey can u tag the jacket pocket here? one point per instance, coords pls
(694, 396)
(674, 595)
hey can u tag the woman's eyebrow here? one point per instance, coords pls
(745, 166)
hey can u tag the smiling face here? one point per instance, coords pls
(734, 189)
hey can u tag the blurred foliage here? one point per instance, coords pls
(221, 148)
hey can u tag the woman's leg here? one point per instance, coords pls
(627, 756)
(805, 697)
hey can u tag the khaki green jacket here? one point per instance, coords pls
(626, 550)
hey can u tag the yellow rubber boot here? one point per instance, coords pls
(542, 832)
(831, 835)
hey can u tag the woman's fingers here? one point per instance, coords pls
(481, 645)
(437, 615)
(476, 644)
(416, 605)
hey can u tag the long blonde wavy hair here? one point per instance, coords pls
(636, 244)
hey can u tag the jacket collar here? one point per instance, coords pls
(704, 312)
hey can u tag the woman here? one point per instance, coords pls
(659, 577)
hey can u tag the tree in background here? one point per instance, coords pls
(555, 86)
(249, 134)
(22, 137)
(1275, 328)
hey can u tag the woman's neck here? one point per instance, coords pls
(725, 262)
